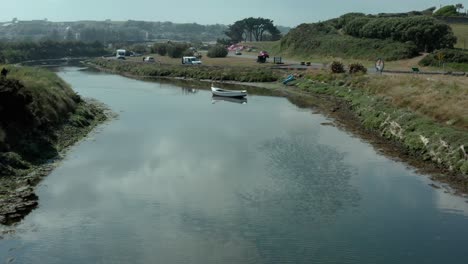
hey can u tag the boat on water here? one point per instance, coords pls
(238, 100)
(228, 93)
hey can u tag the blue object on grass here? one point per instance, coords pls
(288, 79)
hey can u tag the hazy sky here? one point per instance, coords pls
(283, 12)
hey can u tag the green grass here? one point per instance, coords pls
(53, 98)
(218, 73)
(452, 60)
(405, 109)
(461, 32)
(34, 104)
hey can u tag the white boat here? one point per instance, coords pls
(228, 93)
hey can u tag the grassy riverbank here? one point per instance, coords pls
(426, 116)
(218, 73)
(40, 116)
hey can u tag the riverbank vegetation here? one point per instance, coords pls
(449, 58)
(427, 116)
(219, 73)
(40, 115)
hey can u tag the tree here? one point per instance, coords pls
(459, 7)
(160, 48)
(252, 29)
(449, 10)
(236, 32)
(54, 35)
(217, 51)
(176, 50)
(69, 35)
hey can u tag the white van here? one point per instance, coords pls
(191, 60)
(120, 54)
(149, 59)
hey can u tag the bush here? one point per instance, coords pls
(448, 56)
(176, 50)
(357, 68)
(160, 48)
(188, 52)
(449, 10)
(337, 67)
(302, 42)
(217, 51)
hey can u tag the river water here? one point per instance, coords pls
(180, 178)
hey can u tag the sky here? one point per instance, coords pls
(283, 12)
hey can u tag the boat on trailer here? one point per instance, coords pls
(228, 93)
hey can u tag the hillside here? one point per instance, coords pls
(33, 103)
(360, 36)
(108, 31)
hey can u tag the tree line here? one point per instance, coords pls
(253, 29)
(13, 52)
(425, 32)
(108, 31)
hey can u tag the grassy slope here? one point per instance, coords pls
(427, 116)
(461, 32)
(40, 116)
(35, 105)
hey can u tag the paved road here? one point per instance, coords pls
(291, 64)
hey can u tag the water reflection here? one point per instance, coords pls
(216, 99)
(189, 91)
(317, 181)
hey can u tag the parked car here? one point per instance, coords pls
(262, 56)
(191, 60)
(238, 52)
(148, 59)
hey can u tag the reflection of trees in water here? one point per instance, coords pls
(188, 91)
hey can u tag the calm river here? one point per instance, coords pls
(179, 178)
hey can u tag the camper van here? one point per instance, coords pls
(120, 54)
(191, 60)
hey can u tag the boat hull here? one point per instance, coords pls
(238, 100)
(228, 93)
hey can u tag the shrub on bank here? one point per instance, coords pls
(444, 56)
(337, 67)
(357, 68)
(176, 50)
(159, 48)
(217, 51)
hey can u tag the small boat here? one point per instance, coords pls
(228, 93)
(238, 100)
